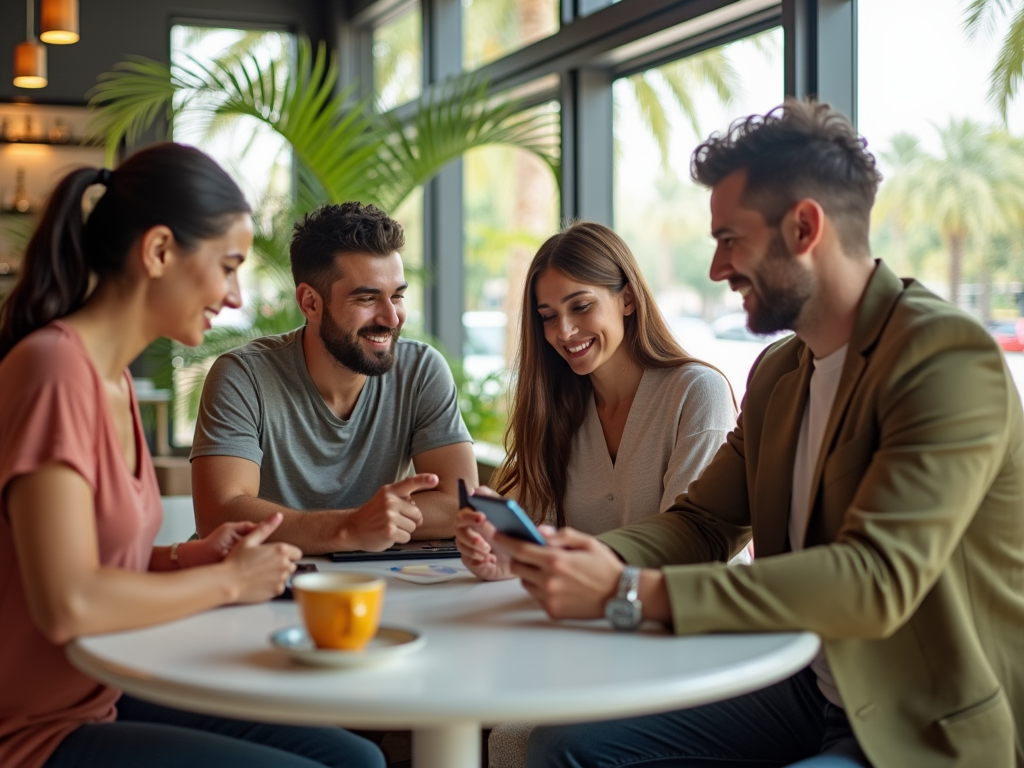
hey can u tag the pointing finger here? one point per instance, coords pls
(412, 484)
(263, 530)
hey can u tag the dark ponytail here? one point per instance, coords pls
(166, 184)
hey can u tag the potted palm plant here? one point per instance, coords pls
(341, 150)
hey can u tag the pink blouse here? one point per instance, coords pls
(53, 409)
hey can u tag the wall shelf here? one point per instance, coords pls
(46, 143)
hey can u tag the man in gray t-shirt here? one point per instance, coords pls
(326, 424)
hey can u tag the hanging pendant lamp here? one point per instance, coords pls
(29, 56)
(58, 22)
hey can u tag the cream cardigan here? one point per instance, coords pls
(678, 421)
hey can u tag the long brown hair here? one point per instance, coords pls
(549, 401)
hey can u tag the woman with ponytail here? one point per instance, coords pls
(79, 503)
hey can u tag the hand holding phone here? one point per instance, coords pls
(505, 515)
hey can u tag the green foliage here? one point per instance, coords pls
(483, 404)
(680, 82)
(341, 150)
(982, 16)
(969, 196)
(17, 231)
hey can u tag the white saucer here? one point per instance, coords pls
(388, 644)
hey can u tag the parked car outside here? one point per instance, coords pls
(1009, 334)
(483, 352)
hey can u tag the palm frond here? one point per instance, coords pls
(652, 114)
(712, 69)
(1008, 72)
(340, 150)
(980, 15)
(127, 101)
(451, 119)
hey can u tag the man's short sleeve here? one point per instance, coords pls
(437, 421)
(230, 413)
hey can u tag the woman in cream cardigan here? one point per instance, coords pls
(610, 418)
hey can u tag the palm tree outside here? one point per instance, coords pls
(971, 192)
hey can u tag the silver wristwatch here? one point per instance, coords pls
(624, 610)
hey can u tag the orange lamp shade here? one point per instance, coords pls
(58, 23)
(30, 65)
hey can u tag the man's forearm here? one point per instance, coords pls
(314, 532)
(439, 511)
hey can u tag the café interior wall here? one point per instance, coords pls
(112, 29)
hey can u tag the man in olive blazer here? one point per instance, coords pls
(919, 602)
(910, 565)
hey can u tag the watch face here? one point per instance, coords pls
(622, 613)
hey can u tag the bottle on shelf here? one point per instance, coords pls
(59, 133)
(21, 201)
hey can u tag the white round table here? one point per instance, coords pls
(491, 656)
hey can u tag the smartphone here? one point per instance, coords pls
(504, 514)
(299, 568)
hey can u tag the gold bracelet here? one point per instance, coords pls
(174, 554)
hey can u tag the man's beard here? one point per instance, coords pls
(781, 289)
(345, 348)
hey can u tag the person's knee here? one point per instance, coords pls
(365, 754)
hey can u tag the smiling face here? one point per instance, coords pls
(584, 323)
(756, 261)
(360, 324)
(196, 284)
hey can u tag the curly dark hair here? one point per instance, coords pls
(802, 149)
(333, 230)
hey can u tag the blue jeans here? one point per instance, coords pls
(150, 736)
(789, 724)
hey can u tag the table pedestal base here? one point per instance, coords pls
(452, 746)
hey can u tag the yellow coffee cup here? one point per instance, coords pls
(341, 610)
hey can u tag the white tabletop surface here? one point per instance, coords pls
(491, 655)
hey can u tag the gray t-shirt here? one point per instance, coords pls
(259, 403)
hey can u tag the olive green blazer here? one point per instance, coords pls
(913, 574)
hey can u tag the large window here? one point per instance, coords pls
(257, 157)
(260, 161)
(398, 59)
(511, 207)
(494, 28)
(410, 215)
(397, 79)
(950, 208)
(661, 115)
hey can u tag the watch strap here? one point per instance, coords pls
(629, 583)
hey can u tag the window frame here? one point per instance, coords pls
(597, 43)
